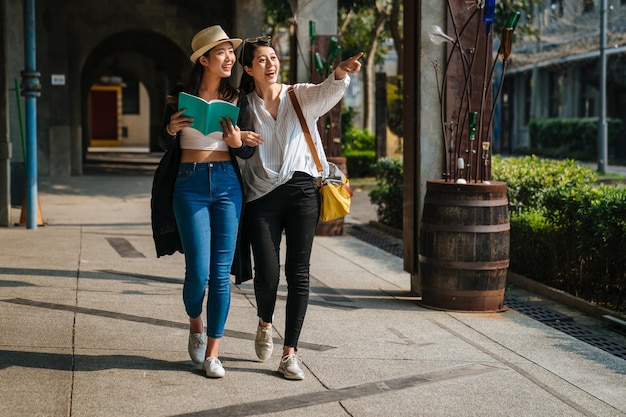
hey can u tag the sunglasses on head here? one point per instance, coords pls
(264, 39)
(258, 39)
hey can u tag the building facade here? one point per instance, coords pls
(558, 76)
(104, 70)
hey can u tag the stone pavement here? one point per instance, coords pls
(92, 324)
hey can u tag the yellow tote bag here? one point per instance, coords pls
(336, 196)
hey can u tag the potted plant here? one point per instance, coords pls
(464, 230)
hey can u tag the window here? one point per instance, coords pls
(587, 6)
(130, 97)
(588, 101)
(556, 84)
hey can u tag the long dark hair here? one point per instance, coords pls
(245, 59)
(225, 90)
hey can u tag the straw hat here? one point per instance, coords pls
(209, 38)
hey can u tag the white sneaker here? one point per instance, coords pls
(213, 368)
(263, 343)
(197, 347)
(290, 367)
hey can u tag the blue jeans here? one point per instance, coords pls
(207, 206)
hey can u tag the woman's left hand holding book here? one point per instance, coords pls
(232, 133)
(235, 138)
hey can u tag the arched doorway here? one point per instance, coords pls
(124, 82)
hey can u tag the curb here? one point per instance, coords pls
(560, 296)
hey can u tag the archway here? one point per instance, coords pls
(145, 59)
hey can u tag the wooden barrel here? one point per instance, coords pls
(464, 246)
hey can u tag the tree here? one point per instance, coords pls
(278, 13)
(365, 27)
(525, 27)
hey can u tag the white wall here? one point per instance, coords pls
(137, 125)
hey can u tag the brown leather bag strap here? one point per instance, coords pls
(305, 128)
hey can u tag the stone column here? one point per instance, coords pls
(5, 143)
(60, 151)
(423, 146)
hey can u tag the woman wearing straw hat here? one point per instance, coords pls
(205, 192)
(281, 189)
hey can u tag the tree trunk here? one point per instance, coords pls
(396, 34)
(369, 79)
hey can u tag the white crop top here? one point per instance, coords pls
(191, 138)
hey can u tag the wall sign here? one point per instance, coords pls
(57, 79)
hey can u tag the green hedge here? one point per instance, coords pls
(566, 231)
(358, 146)
(529, 177)
(360, 163)
(574, 138)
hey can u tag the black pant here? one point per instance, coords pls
(294, 208)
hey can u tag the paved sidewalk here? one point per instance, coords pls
(92, 324)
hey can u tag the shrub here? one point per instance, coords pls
(528, 178)
(357, 140)
(358, 146)
(387, 194)
(566, 231)
(360, 163)
(533, 245)
(592, 223)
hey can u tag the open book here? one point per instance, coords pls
(207, 114)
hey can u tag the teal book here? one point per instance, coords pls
(207, 114)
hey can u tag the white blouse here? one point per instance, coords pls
(284, 149)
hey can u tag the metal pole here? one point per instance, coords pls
(31, 89)
(603, 152)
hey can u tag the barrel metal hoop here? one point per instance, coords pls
(467, 203)
(472, 266)
(462, 294)
(474, 228)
